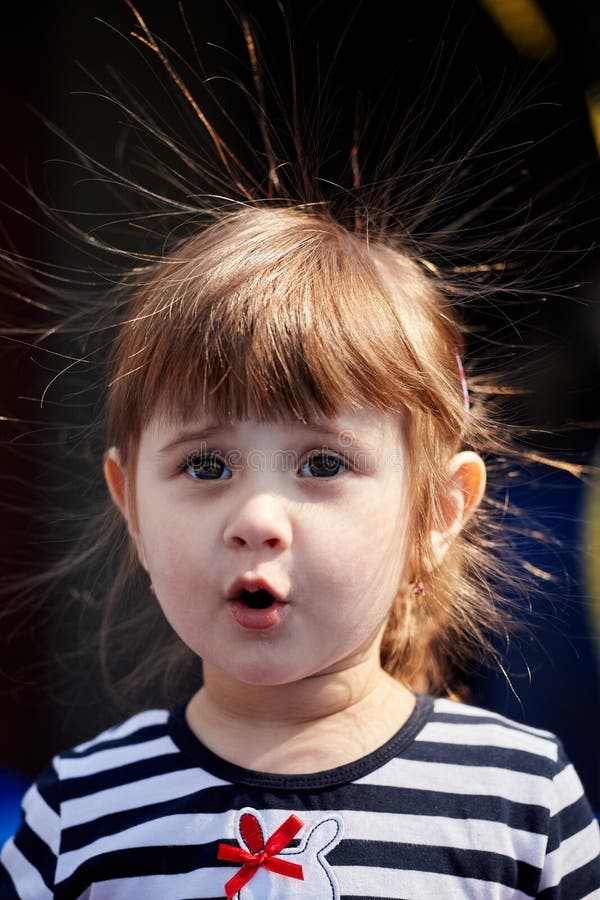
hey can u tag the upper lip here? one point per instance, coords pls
(252, 583)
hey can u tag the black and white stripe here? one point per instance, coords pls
(462, 803)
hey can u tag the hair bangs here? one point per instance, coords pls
(290, 318)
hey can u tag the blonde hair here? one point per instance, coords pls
(276, 311)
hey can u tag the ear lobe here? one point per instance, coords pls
(463, 494)
(116, 481)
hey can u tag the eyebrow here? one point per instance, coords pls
(197, 434)
(352, 440)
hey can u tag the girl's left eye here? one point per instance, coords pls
(206, 467)
(323, 465)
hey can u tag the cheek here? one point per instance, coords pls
(171, 546)
(180, 576)
(379, 533)
(386, 548)
(364, 556)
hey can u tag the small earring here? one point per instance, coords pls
(416, 586)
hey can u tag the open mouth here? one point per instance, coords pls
(255, 606)
(260, 599)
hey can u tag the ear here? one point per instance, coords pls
(116, 479)
(463, 493)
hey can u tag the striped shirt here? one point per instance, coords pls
(460, 803)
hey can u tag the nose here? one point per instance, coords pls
(260, 521)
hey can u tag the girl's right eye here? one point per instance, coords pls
(206, 467)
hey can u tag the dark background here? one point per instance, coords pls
(444, 67)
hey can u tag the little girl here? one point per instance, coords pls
(285, 417)
(296, 472)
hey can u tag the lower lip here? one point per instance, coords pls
(258, 619)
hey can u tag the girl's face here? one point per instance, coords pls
(275, 550)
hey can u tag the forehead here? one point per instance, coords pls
(360, 427)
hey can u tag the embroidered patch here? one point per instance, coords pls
(270, 867)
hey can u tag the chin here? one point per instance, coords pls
(263, 677)
(265, 674)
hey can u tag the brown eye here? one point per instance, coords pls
(207, 467)
(323, 465)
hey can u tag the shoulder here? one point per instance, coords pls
(80, 783)
(471, 726)
(142, 726)
(141, 737)
(476, 747)
(528, 765)
(122, 748)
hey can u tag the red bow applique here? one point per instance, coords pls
(260, 854)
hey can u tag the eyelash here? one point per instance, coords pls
(216, 458)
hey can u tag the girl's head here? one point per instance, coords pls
(268, 347)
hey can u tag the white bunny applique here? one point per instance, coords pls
(272, 870)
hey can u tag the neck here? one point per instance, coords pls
(320, 722)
